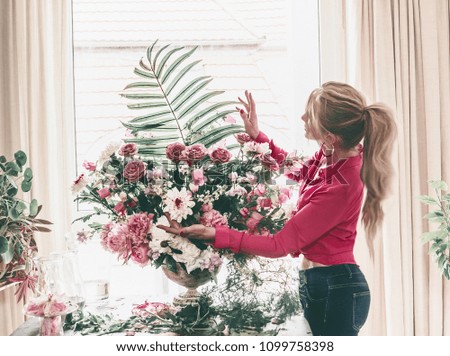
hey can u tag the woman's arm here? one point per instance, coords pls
(321, 214)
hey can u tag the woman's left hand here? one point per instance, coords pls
(194, 232)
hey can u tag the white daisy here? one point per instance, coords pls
(178, 204)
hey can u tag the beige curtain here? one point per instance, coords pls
(397, 52)
(36, 114)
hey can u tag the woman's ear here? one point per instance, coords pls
(331, 139)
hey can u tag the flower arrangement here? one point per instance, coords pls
(193, 185)
(18, 221)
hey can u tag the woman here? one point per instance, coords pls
(333, 290)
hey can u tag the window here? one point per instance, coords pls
(269, 47)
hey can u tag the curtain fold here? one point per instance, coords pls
(397, 52)
(36, 113)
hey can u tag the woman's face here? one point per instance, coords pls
(309, 130)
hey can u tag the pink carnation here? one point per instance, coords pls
(269, 162)
(117, 240)
(120, 208)
(213, 218)
(139, 226)
(128, 150)
(174, 150)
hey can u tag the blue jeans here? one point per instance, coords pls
(335, 299)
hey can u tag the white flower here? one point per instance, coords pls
(108, 151)
(79, 184)
(253, 147)
(178, 204)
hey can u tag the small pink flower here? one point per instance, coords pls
(260, 190)
(264, 202)
(233, 176)
(128, 150)
(174, 150)
(220, 155)
(229, 119)
(253, 221)
(90, 166)
(120, 208)
(244, 212)
(103, 193)
(243, 138)
(139, 227)
(283, 198)
(193, 188)
(198, 176)
(251, 178)
(117, 240)
(134, 171)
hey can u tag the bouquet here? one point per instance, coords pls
(193, 185)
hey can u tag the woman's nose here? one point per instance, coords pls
(304, 118)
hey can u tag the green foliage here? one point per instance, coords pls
(175, 106)
(439, 239)
(17, 220)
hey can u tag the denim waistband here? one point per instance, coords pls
(330, 271)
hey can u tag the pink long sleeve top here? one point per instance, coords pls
(324, 226)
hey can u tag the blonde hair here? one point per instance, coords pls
(340, 109)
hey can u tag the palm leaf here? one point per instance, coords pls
(175, 107)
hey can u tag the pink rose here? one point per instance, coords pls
(134, 171)
(220, 155)
(128, 150)
(103, 193)
(269, 162)
(90, 166)
(198, 176)
(174, 150)
(243, 138)
(140, 255)
(244, 212)
(260, 190)
(194, 153)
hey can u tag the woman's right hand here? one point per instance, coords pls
(249, 115)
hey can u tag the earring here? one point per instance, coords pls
(327, 152)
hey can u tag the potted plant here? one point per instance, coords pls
(18, 221)
(440, 236)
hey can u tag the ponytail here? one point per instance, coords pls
(376, 172)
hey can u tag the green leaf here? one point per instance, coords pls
(438, 184)
(141, 85)
(28, 174)
(3, 244)
(436, 216)
(144, 118)
(160, 51)
(175, 64)
(146, 105)
(180, 75)
(9, 254)
(144, 73)
(206, 111)
(21, 158)
(164, 60)
(427, 199)
(13, 214)
(12, 169)
(149, 51)
(33, 208)
(191, 86)
(212, 119)
(429, 236)
(2, 159)
(12, 191)
(446, 197)
(142, 96)
(145, 127)
(197, 102)
(26, 185)
(218, 134)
